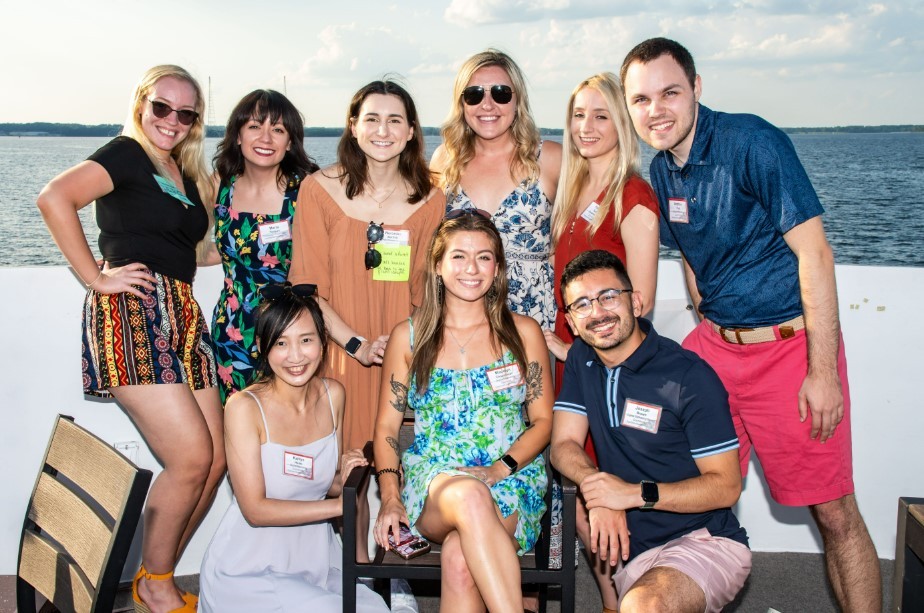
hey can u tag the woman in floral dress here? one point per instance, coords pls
(474, 478)
(259, 166)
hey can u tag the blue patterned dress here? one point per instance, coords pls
(461, 421)
(249, 264)
(524, 220)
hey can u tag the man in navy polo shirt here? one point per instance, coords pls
(737, 203)
(666, 445)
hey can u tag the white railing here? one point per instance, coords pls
(880, 314)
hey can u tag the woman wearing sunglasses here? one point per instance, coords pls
(474, 477)
(145, 341)
(492, 158)
(259, 165)
(361, 231)
(603, 203)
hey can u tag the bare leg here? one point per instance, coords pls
(664, 589)
(458, 586)
(602, 571)
(464, 505)
(210, 405)
(174, 427)
(853, 566)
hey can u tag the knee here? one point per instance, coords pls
(194, 464)
(454, 568)
(470, 500)
(644, 599)
(838, 518)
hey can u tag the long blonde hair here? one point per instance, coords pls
(574, 167)
(459, 139)
(429, 317)
(190, 153)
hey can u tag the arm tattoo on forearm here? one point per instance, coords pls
(393, 443)
(400, 391)
(533, 382)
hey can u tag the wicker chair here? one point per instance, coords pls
(534, 566)
(79, 523)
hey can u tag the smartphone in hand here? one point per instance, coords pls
(410, 545)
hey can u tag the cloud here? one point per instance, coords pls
(469, 13)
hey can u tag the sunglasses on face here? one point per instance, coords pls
(374, 233)
(474, 94)
(277, 290)
(162, 110)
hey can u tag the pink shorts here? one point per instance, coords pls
(763, 382)
(718, 565)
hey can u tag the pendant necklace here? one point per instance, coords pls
(387, 196)
(467, 341)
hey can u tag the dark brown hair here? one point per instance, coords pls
(411, 163)
(652, 49)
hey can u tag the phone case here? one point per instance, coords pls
(410, 546)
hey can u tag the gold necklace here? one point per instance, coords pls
(467, 341)
(387, 196)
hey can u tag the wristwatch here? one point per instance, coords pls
(510, 463)
(353, 345)
(649, 494)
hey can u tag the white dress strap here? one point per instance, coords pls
(262, 414)
(330, 403)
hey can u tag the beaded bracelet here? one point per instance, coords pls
(379, 473)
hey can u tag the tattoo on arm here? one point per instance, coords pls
(533, 382)
(393, 443)
(525, 431)
(400, 391)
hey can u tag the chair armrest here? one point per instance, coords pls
(355, 482)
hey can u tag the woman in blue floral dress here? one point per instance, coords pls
(474, 478)
(259, 166)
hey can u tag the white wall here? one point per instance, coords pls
(879, 312)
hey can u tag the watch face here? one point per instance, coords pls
(510, 463)
(649, 491)
(353, 345)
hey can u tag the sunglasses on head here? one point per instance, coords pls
(457, 213)
(275, 291)
(374, 233)
(474, 94)
(162, 110)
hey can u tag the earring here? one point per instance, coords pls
(439, 288)
(492, 294)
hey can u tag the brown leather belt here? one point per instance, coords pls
(750, 336)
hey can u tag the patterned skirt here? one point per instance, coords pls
(160, 339)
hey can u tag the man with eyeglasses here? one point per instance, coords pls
(659, 504)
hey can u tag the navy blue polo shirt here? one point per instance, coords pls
(744, 188)
(650, 418)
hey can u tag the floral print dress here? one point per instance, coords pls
(461, 421)
(249, 264)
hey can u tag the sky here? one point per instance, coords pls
(794, 62)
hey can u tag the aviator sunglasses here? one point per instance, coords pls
(162, 110)
(474, 94)
(374, 233)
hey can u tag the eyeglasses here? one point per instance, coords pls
(374, 233)
(274, 291)
(162, 110)
(474, 94)
(607, 299)
(457, 213)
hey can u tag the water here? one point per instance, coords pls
(868, 184)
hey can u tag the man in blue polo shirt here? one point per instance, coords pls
(737, 203)
(666, 446)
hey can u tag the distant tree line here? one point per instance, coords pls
(111, 129)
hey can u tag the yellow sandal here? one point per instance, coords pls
(191, 600)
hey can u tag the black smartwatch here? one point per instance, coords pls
(649, 494)
(510, 463)
(353, 345)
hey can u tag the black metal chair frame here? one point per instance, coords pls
(908, 580)
(67, 559)
(534, 567)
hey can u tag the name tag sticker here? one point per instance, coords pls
(168, 187)
(641, 416)
(590, 212)
(678, 211)
(396, 263)
(273, 232)
(396, 238)
(505, 377)
(297, 465)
